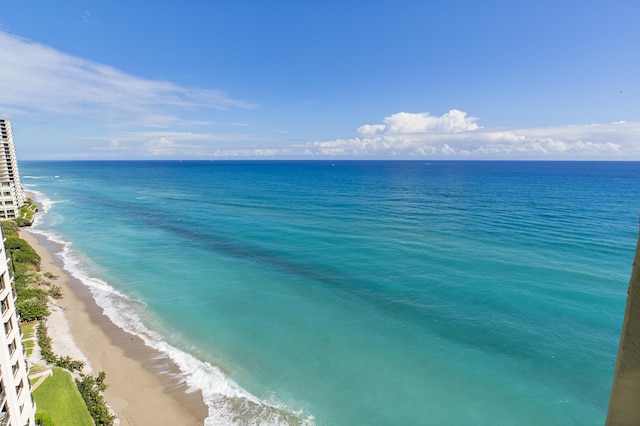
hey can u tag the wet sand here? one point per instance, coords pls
(144, 385)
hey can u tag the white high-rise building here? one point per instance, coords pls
(11, 192)
(16, 404)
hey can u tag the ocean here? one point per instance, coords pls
(361, 292)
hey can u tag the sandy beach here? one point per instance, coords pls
(143, 388)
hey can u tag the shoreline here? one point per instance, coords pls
(145, 386)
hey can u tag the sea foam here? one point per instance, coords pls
(227, 402)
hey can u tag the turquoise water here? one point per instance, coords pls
(360, 293)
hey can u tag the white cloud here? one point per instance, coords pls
(252, 153)
(456, 136)
(454, 121)
(164, 146)
(113, 145)
(371, 129)
(170, 144)
(183, 136)
(38, 79)
(47, 84)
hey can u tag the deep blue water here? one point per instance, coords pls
(359, 293)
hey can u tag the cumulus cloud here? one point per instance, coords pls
(454, 121)
(455, 135)
(371, 129)
(45, 83)
(38, 79)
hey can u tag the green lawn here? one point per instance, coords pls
(59, 401)
(28, 330)
(28, 346)
(35, 369)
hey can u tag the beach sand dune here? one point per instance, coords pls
(144, 388)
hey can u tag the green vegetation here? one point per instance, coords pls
(55, 291)
(31, 304)
(21, 252)
(28, 346)
(26, 213)
(35, 369)
(10, 228)
(90, 388)
(44, 341)
(28, 330)
(59, 401)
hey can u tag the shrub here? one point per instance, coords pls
(44, 341)
(9, 228)
(90, 388)
(31, 309)
(27, 212)
(22, 221)
(21, 252)
(27, 293)
(55, 292)
(32, 301)
(69, 364)
(24, 276)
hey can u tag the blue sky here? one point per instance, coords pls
(200, 79)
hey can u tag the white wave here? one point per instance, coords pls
(42, 200)
(45, 204)
(222, 396)
(35, 177)
(209, 379)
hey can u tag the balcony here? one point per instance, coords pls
(8, 328)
